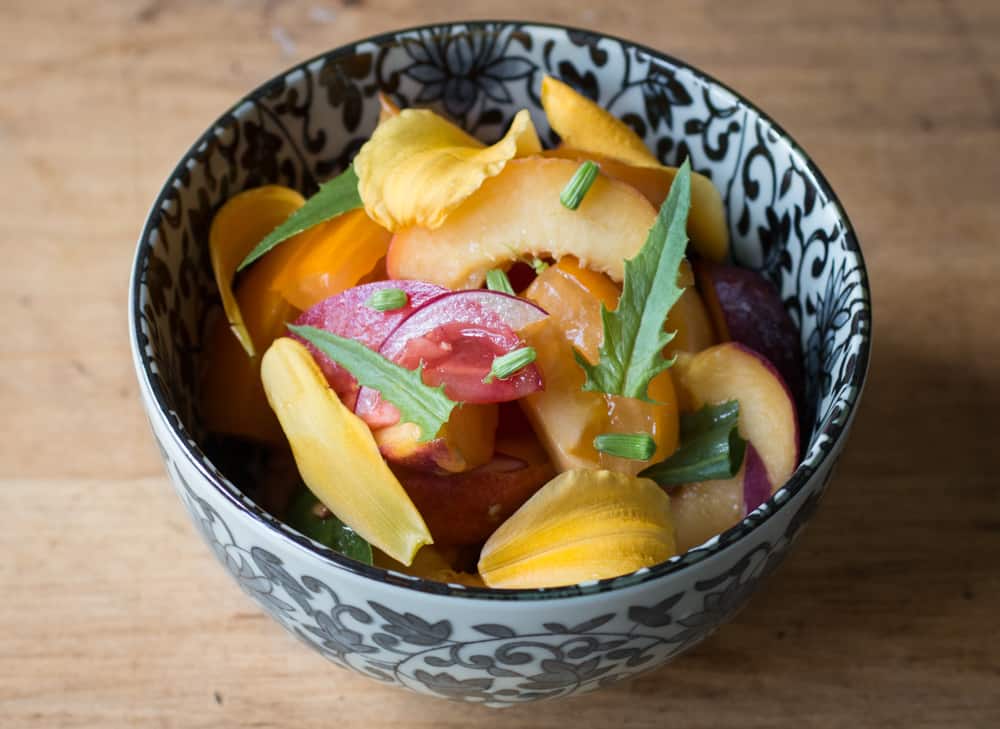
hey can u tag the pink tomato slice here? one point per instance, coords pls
(347, 315)
(457, 336)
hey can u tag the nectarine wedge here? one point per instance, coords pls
(707, 220)
(517, 214)
(767, 420)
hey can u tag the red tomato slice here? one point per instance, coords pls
(456, 337)
(347, 315)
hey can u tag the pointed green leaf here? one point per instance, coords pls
(334, 198)
(632, 352)
(427, 407)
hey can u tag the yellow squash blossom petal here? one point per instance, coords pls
(583, 125)
(582, 525)
(337, 456)
(239, 226)
(418, 167)
(590, 132)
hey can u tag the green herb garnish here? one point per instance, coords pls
(387, 300)
(509, 364)
(538, 265)
(572, 195)
(634, 446)
(309, 516)
(711, 448)
(334, 198)
(496, 280)
(632, 352)
(425, 406)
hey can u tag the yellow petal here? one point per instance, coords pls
(239, 226)
(418, 167)
(337, 456)
(582, 525)
(588, 131)
(583, 125)
(387, 109)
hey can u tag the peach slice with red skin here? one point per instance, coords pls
(517, 214)
(746, 308)
(767, 421)
(707, 220)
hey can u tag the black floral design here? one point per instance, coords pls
(503, 665)
(467, 71)
(307, 125)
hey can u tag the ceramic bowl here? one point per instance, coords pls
(498, 647)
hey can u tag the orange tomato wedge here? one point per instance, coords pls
(333, 257)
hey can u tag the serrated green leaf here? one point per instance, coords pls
(335, 197)
(327, 530)
(632, 352)
(711, 448)
(426, 407)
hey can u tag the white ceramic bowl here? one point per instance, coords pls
(498, 647)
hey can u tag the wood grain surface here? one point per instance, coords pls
(113, 614)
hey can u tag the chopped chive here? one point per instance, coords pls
(510, 363)
(634, 446)
(496, 280)
(538, 264)
(572, 195)
(387, 300)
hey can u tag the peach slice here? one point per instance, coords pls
(517, 214)
(732, 371)
(465, 441)
(767, 420)
(702, 510)
(707, 220)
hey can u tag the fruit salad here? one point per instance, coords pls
(499, 365)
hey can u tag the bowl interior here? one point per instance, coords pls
(305, 125)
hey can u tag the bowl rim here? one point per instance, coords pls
(834, 431)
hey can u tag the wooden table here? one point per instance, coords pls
(113, 614)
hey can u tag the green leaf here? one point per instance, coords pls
(711, 448)
(335, 197)
(710, 416)
(427, 407)
(632, 352)
(307, 515)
